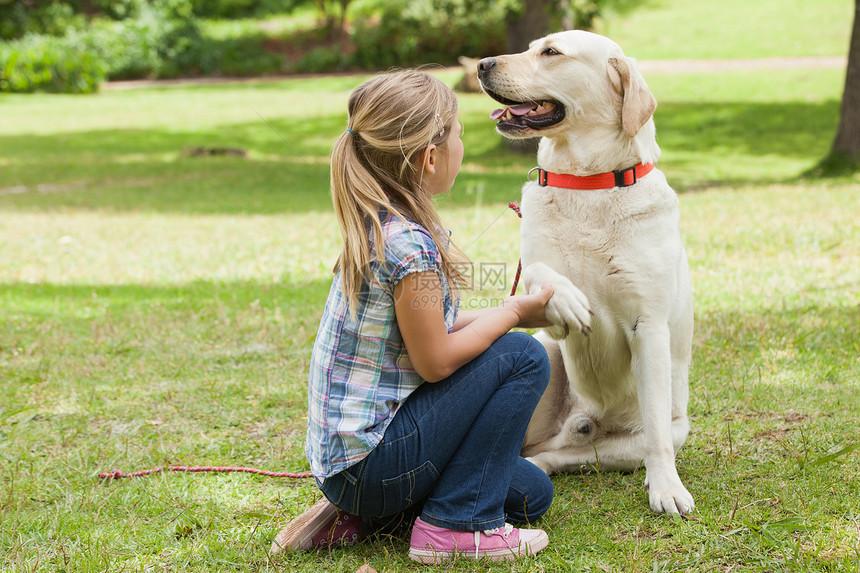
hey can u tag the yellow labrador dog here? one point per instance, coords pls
(600, 223)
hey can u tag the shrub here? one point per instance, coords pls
(230, 9)
(126, 47)
(161, 41)
(118, 9)
(45, 63)
(20, 17)
(242, 56)
(321, 60)
(401, 33)
(158, 43)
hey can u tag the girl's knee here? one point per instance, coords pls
(540, 500)
(530, 493)
(531, 352)
(529, 506)
(526, 344)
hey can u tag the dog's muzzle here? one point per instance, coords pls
(519, 117)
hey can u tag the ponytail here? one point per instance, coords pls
(375, 166)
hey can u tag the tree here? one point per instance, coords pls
(334, 16)
(525, 23)
(531, 19)
(845, 153)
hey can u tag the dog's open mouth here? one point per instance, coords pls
(538, 114)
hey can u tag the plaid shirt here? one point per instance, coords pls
(360, 372)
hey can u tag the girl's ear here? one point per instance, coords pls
(428, 160)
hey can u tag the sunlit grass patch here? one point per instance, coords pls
(159, 308)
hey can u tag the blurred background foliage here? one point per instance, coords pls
(72, 46)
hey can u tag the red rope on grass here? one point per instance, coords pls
(516, 208)
(116, 474)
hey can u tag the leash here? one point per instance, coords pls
(516, 208)
(117, 474)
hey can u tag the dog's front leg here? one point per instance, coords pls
(568, 308)
(652, 368)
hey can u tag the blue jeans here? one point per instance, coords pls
(451, 453)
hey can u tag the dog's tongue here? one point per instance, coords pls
(521, 109)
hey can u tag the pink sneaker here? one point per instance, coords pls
(321, 525)
(435, 545)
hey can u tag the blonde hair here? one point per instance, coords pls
(376, 164)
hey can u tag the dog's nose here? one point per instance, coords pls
(486, 65)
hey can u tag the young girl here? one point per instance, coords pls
(416, 408)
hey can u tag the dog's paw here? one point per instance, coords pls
(542, 462)
(568, 310)
(671, 497)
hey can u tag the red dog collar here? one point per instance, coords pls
(619, 178)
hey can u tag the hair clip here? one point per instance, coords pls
(440, 125)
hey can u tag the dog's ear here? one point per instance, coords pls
(638, 101)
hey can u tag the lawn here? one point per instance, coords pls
(734, 29)
(159, 307)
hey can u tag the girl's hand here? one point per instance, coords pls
(531, 308)
(435, 353)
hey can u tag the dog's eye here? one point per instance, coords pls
(550, 52)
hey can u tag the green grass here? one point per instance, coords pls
(187, 342)
(128, 148)
(159, 308)
(733, 29)
(283, 26)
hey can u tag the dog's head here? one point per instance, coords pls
(563, 80)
